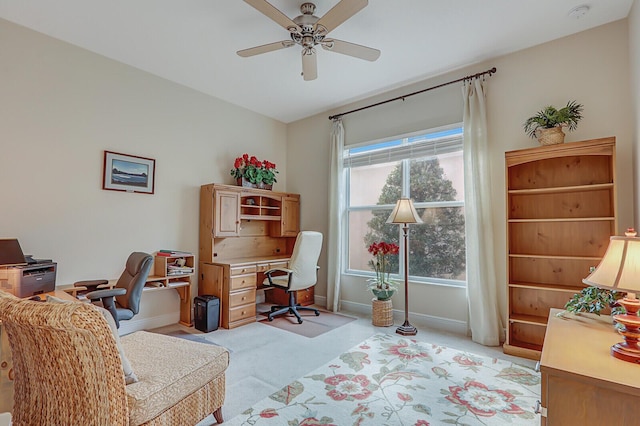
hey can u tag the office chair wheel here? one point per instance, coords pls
(270, 319)
(317, 313)
(300, 321)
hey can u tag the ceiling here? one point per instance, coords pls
(193, 42)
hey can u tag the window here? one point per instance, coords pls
(427, 167)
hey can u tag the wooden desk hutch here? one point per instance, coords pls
(244, 232)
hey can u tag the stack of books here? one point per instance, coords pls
(179, 270)
(173, 253)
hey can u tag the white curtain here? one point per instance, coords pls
(484, 315)
(336, 201)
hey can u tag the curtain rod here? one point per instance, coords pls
(469, 77)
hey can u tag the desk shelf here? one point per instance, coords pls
(165, 275)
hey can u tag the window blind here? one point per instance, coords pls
(408, 149)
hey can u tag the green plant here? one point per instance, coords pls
(549, 117)
(595, 300)
(382, 282)
(254, 170)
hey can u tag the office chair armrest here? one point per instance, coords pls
(108, 292)
(90, 285)
(271, 272)
(285, 270)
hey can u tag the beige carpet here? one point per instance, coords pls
(311, 326)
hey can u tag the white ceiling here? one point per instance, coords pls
(193, 42)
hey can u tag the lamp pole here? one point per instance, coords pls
(403, 214)
(406, 329)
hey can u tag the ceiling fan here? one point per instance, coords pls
(307, 30)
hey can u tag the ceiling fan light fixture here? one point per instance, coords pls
(308, 31)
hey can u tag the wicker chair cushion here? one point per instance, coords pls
(169, 369)
(129, 375)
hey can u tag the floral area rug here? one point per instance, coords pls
(392, 380)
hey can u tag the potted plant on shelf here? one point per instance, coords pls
(251, 172)
(547, 124)
(382, 286)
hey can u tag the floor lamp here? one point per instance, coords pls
(403, 214)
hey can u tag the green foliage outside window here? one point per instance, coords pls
(437, 247)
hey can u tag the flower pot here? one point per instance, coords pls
(382, 294)
(552, 136)
(381, 313)
(262, 185)
(245, 183)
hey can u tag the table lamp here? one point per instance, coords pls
(619, 270)
(404, 213)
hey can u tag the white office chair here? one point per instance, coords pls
(301, 274)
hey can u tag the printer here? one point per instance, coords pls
(24, 277)
(28, 280)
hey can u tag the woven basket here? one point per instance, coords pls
(552, 136)
(382, 313)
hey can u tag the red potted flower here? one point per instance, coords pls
(382, 286)
(250, 171)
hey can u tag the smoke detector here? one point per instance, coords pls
(579, 11)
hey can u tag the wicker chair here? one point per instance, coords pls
(68, 370)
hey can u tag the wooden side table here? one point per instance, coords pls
(382, 313)
(582, 384)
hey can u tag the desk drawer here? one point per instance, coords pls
(242, 298)
(305, 297)
(262, 267)
(242, 312)
(242, 281)
(278, 296)
(242, 270)
(274, 265)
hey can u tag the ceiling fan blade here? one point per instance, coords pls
(309, 65)
(351, 49)
(271, 12)
(339, 13)
(265, 48)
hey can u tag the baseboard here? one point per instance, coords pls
(320, 300)
(444, 324)
(148, 323)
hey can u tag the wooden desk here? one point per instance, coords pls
(235, 281)
(153, 284)
(160, 280)
(582, 384)
(60, 294)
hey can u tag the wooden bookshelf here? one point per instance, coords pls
(560, 214)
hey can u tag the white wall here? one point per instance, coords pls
(591, 67)
(634, 60)
(61, 107)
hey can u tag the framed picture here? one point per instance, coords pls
(128, 173)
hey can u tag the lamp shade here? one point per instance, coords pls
(404, 212)
(620, 267)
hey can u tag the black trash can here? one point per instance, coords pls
(206, 313)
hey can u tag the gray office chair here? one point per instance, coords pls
(123, 300)
(301, 274)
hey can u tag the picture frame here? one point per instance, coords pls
(128, 173)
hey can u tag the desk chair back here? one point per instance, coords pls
(133, 279)
(304, 260)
